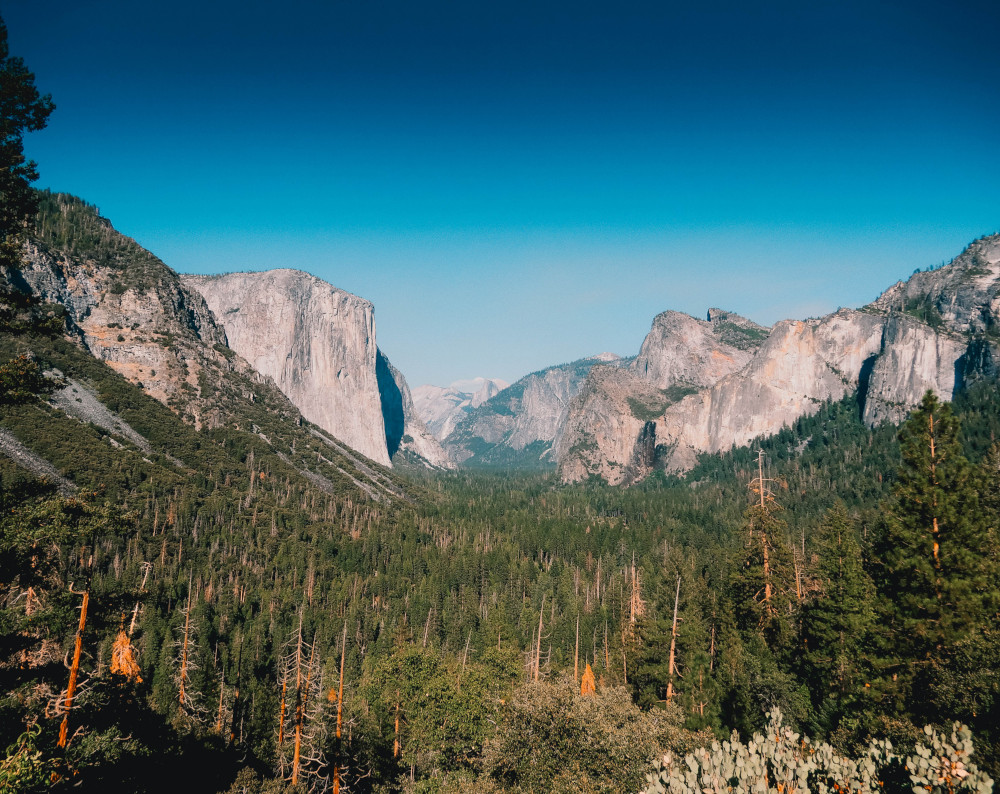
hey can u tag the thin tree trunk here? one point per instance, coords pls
(236, 695)
(576, 654)
(340, 711)
(395, 740)
(222, 692)
(184, 647)
(282, 709)
(673, 644)
(538, 647)
(74, 670)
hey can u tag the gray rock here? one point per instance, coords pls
(936, 331)
(521, 424)
(315, 341)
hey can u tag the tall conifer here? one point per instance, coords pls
(937, 587)
(836, 620)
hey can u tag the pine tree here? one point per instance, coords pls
(22, 110)
(938, 583)
(836, 620)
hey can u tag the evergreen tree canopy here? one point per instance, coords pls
(837, 619)
(938, 585)
(22, 110)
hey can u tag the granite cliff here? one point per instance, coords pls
(610, 429)
(318, 344)
(407, 437)
(936, 331)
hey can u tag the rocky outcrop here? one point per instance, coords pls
(912, 360)
(618, 409)
(318, 344)
(521, 424)
(936, 331)
(407, 437)
(681, 349)
(604, 421)
(801, 365)
(129, 309)
(440, 408)
(315, 341)
(962, 297)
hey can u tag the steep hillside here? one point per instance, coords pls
(127, 311)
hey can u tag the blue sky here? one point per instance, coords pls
(521, 184)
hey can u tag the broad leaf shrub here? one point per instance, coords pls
(780, 761)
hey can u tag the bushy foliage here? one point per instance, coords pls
(552, 738)
(781, 761)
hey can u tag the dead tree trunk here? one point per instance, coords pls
(673, 645)
(74, 669)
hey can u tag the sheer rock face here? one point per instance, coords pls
(938, 330)
(405, 434)
(603, 424)
(147, 327)
(317, 342)
(913, 359)
(532, 411)
(801, 365)
(616, 408)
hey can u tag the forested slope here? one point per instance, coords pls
(250, 552)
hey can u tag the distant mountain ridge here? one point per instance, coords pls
(520, 425)
(205, 345)
(442, 407)
(936, 331)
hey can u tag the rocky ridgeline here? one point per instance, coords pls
(609, 429)
(706, 386)
(309, 345)
(130, 310)
(202, 344)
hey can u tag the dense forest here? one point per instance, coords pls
(246, 606)
(201, 605)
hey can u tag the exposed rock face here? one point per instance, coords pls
(317, 342)
(679, 355)
(406, 436)
(913, 359)
(801, 365)
(442, 407)
(681, 349)
(521, 423)
(130, 310)
(604, 421)
(962, 297)
(936, 331)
